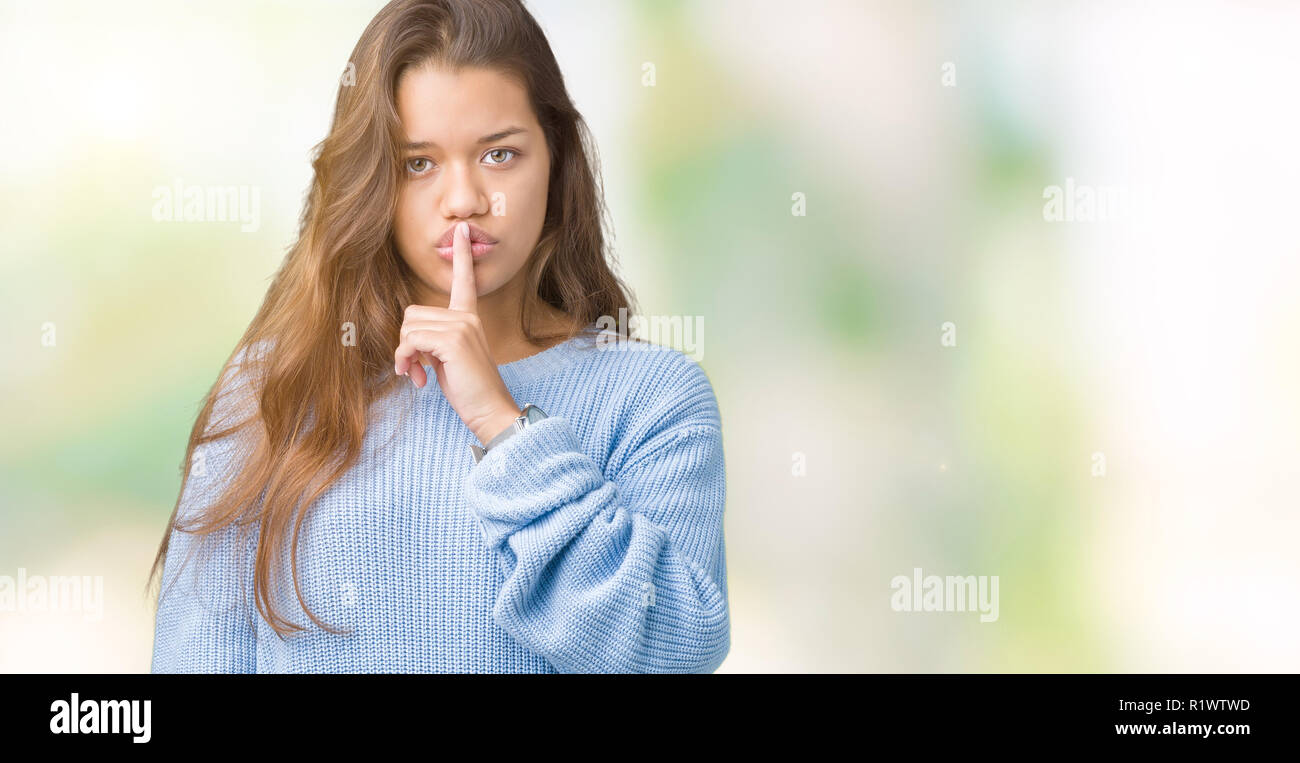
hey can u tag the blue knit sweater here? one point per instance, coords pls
(592, 541)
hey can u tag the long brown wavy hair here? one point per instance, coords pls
(344, 269)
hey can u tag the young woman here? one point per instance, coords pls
(336, 469)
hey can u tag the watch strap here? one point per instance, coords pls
(529, 414)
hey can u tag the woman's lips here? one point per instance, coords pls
(448, 253)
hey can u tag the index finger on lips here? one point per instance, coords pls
(464, 294)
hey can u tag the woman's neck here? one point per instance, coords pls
(499, 314)
(514, 347)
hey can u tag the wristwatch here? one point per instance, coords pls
(531, 414)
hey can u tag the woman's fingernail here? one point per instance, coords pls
(464, 229)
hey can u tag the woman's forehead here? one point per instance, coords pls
(460, 106)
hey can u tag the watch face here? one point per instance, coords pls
(533, 413)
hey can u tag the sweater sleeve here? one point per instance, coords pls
(622, 575)
(203, 622)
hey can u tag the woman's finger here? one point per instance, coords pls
(438, 374)
(417, 375)
(464, 291)
(420, 347)
(427, 324)
(407, 355)
(434, 313)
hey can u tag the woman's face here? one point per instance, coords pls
(461, 166)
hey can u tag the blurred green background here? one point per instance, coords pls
(924, 139)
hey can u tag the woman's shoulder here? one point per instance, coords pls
(650, 396)
(659, 382)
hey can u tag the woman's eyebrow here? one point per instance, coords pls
(423, 144)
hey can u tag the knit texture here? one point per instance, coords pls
(592, 541)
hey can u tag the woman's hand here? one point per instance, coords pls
(453, 342)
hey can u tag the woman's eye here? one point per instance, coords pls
(501, 151)
(412, 169)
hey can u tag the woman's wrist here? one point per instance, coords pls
(498, 423)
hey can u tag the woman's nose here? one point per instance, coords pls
(461, 194)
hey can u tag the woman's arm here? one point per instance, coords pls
(203, 622)
(624, 575)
